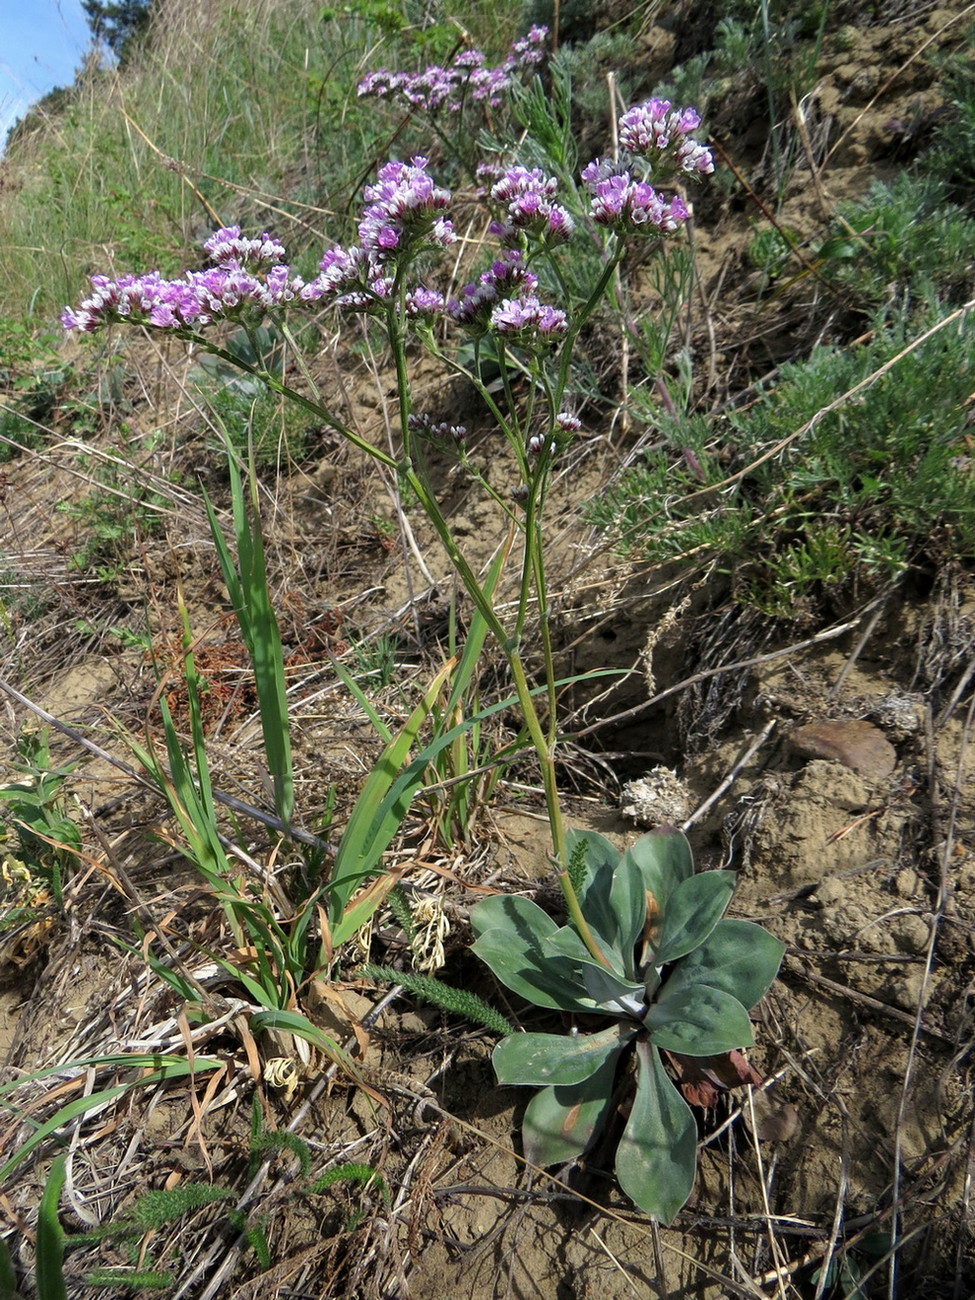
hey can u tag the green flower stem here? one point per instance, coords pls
(427, 500)
(546, 755)
(545, 628)
(543, 745)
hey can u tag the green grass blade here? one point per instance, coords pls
(385, 800)
(50, 1238)
(293, 1022)
(81, 1105)
(375, 818)
(476, 636)
(122, 1060)
(258, 627)
(8, 1278)
(362, 700)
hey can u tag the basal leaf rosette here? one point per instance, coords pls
(676, 977)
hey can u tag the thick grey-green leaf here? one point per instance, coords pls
(737, 957)
(510, 912)
(568, 942)
(628, 899)
(611, 994)
(538, 1059)
(663, 860)
(544, 979)
(691, 913)
(561, 1122)
(701, 1021)
(613, 902)
(657, 1154)
(595, 900)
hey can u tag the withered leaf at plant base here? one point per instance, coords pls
(702, 1079)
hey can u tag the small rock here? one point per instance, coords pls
(857, 745)
(910, 933)
(774, 1121)
(908, 991)
(899, 715)
(907, 883)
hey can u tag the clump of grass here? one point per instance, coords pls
(862, 494)
(910, 246)
(111, 518)
(39, 838)
(952, 154)
(260, 426)
(33, 381)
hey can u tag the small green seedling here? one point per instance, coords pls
(674, 978)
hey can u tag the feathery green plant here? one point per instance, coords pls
(352, 1172)
(428, 988)
(860, 491)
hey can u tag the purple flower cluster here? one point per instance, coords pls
(403, 211)
(403, 216)
(529, 196)
(623, 204)
(424, 304)
(228, 247)
(528, 322)
(660, 136)
(659, 133)
(247, 280)
(466, 77)
(507, 276)
(503, 298)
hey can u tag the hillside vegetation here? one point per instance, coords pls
(320, 627)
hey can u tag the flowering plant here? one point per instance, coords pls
(389, 273)
(404, 223)
(465, 78)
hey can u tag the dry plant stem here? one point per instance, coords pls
(787, 239)
(873, 1004)
(732, 776)
(829, 635)
(857, 650)
(766, 1205)
(185, 171)
(834, 1235)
